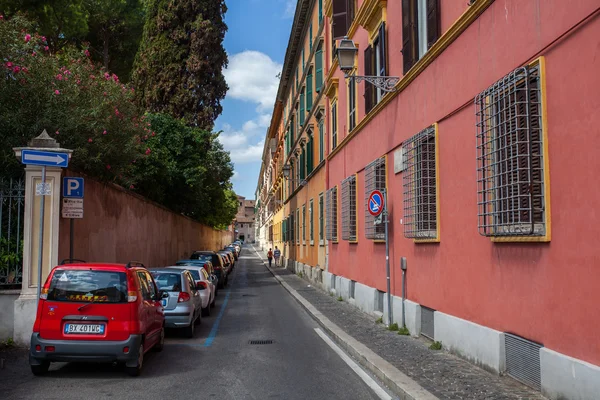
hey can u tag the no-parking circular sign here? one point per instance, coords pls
(375, 203)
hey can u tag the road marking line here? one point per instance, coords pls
(382, 394)
(213, 331)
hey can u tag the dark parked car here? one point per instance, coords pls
(233, 249)
(217, 262)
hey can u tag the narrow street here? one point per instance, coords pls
(220, 362)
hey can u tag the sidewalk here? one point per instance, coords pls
(404, 363)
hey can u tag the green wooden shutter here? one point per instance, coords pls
(309, 167)
(301, 116)
(320, 11)
(321, 140)
(310, 38)
(318, 69)
(303, 62)
(309, 92)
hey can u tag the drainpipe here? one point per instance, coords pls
(403, 268)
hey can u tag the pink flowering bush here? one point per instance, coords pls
(60, 92)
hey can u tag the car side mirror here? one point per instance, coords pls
(163, 294)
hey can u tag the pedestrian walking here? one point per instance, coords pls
(270, 256)
(277, 254)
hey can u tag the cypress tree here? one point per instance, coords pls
(178, 67)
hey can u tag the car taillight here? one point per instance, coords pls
(183, 297)
(131, 296)
(217, 267)
(44, 294)
(203, 284)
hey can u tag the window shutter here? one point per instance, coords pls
(318, 69)
(409, 47)
(310, 37)
(310, 154)
(383, 51)
(309, 91)
(339, 27)
(368, 87)
(350, 13)
(301, 117)
(433, 22)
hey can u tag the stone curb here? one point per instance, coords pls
(400, 384)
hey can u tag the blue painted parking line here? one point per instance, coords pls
(213, 331)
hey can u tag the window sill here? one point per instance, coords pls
(312, 242)
(417, 241)
(321, 243)
(521, 239)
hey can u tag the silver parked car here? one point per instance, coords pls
(205, 284)
(183, 306)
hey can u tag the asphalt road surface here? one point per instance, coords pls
(220, 362)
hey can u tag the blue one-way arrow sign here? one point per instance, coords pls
(46, 158)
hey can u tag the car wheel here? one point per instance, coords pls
(189, 330)
(161, 342)
(39, 370)
(135, 371)
(206, 311)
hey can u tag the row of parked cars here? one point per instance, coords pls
(99, 312)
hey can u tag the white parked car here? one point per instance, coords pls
(203, 279)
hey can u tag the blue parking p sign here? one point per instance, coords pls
(73, 187)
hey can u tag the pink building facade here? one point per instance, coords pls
(487, 150)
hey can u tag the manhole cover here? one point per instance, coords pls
(260, 342)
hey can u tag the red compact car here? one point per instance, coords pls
(97, 313)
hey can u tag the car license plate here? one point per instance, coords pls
(164, 302)
(91, 329)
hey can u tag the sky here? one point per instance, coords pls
(256, 42)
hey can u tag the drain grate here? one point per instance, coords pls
(260, 342)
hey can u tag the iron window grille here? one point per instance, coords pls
(420, 189)
(374, 180)
(510, 159)
(331, 200)
(349, 209)
(311, 230)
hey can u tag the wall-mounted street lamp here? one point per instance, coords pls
(346, 53)
(286, 175)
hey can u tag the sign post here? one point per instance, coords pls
(377, 205)
(72, 204)
(43, 159)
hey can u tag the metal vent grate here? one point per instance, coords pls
(523, 360)
(260, 342)
(427, 322)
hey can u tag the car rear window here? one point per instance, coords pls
(207, 257)
(88, 285)
(168, 281)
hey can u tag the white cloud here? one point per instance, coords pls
(290, 8)
(249, 153)
(246, 145)
(252, 76)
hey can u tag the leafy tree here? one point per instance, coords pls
(85, 108)
(115, 30)
(59, 20)
(187, 170)
(178, 68)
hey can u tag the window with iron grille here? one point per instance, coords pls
(374, 180)
(304, 224)
(311, 230)
(420, 189)
(349, 209)
(510, 156)
(331, 204)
